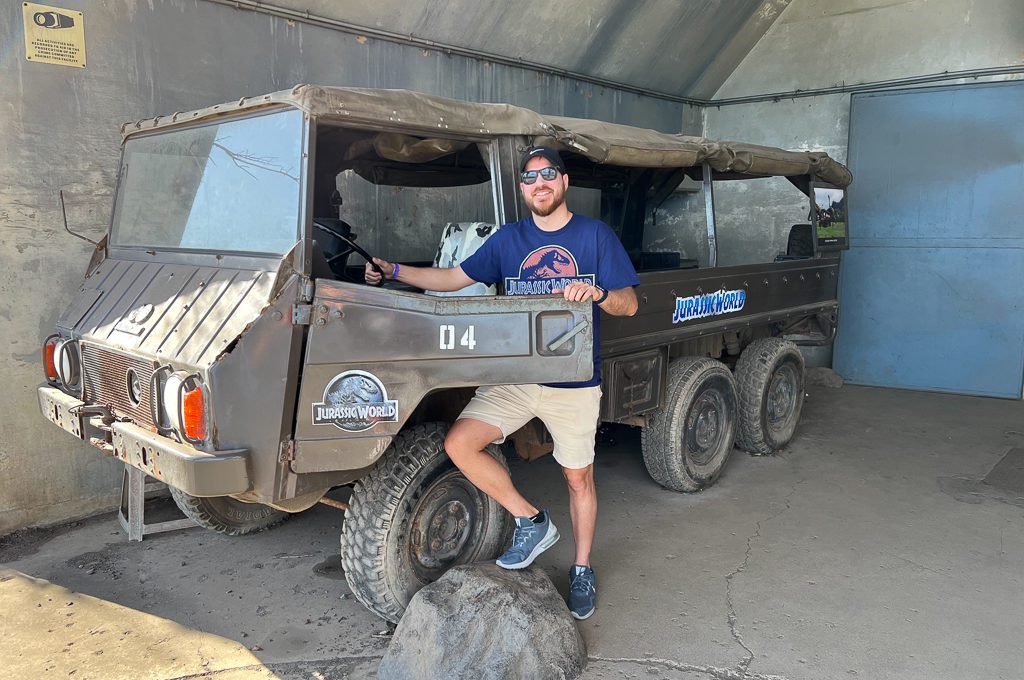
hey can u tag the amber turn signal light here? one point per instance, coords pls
(193, 411)
(49, 365)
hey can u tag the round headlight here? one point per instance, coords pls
(170, 394)
(68, 363)
(133, 385)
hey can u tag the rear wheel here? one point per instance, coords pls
(227, 515)
(770, 377)
(690, 438)
(412, 518)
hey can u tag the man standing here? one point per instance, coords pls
(551, 251)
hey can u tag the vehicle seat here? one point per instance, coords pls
(330, 246)
(458, 241)
(799, 245)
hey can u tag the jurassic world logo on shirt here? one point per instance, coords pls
(546, 269)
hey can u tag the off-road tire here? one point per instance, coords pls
(770, 378)
(226, 515)
(412, 497)
(689, 440)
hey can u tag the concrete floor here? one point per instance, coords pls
(871, 548)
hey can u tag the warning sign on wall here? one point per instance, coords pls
(54, 35)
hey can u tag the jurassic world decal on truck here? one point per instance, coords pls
(355, 401)
(709, 304)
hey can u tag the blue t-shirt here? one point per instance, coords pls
(530, 261)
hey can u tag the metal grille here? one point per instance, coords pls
(105, 378)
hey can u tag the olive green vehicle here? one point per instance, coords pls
(223, 340)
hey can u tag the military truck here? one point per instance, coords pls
(224, 341)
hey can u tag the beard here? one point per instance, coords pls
(557, 200)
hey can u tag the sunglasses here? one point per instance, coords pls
(530, 176)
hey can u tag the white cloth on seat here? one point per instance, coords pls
(459, 241)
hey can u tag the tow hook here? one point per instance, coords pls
(93, 410)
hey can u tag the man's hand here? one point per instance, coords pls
(578, 291)
(621, 302)
(371, 275)
(428, 278)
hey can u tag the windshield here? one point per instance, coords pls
(231, 186)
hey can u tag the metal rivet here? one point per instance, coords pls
(321, 322)
(277, 315)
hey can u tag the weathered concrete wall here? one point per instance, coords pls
(820, 43)
(59, 130)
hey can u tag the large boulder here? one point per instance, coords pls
(481, 621)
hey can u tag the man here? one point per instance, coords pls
(551, 251)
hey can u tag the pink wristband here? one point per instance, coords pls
(394, 274)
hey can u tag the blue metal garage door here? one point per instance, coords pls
(932, 289)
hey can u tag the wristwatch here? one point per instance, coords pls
(604, 295)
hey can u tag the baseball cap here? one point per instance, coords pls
(543, 152)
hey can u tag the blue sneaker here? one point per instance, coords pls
(582, 592)
(529, 541)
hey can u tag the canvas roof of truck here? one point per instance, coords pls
(598, 141)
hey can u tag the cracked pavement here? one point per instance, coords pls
(850, 555)
(744, 663)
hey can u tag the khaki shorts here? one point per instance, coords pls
(571, 416)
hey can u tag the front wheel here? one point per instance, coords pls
(770, 375)
(690, 438)
(226, 515)
(413, 517)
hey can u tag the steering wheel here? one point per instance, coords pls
(350, 247)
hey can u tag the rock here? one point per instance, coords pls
(822, 376)
(480, 621)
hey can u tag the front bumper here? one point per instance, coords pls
(179, 465)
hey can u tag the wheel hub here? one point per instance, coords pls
(443, 522)
(704, 426)
(782, 396)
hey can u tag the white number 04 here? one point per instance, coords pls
(468, 339)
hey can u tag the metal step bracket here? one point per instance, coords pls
(131, 511)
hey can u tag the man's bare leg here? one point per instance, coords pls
(582, 509)
(465, 446)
